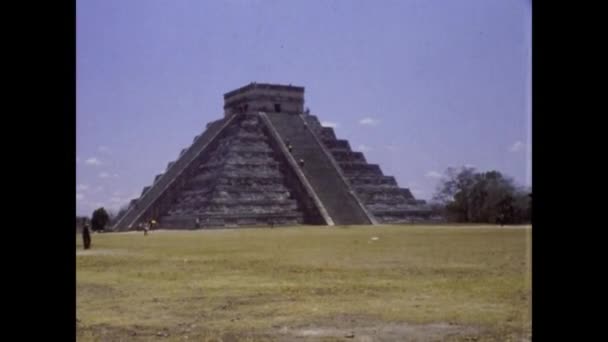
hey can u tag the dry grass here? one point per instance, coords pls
(265, 284)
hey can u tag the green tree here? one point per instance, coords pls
(454, 193)
(506, 209)
(522, 206)
(99, 219)
(481, 197)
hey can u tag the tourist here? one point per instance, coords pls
(288, 144)
(197, 223)
(86, 235)
(301, 162)
(146, 228)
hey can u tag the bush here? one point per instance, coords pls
(99, 219)
(482, 197)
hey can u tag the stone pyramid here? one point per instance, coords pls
(240, 172)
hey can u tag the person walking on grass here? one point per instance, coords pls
(86, 235)
(146, 228)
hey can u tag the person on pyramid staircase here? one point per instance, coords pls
(289, 147)
(301, 163)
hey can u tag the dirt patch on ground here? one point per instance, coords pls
(103, 332)
(351, 328)
(95, 290)
(381, 333)
(97, 252)
(183, 332)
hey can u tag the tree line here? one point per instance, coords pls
(462, 195)
(98, 222)
(465, 195)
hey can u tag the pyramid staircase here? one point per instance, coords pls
(320, 169)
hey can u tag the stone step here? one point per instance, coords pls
(234, 212)
(214, 198)
(372, 180)
(235, 165)
(256, 200)
(251, 148)
(374, 189)
(236, 190)
(192, 214)
(343, 156)
(229, 222)
(233, 177)
(361, 168)
(382, 198)
(401, 209)
(392, 201)
(327, 133)
(338, 145)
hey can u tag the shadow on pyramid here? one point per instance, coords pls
(269, 162)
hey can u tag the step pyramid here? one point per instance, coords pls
(267, 162)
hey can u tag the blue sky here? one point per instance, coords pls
(418, 86)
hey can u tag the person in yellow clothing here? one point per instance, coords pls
(149, 226)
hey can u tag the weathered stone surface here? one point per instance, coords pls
(240, 183)
(239, 172)
(380, 194)
(320, 170)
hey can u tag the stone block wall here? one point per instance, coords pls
(241, 182)
(380, 194)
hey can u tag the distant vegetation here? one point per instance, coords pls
(100, 219)
(465, 195)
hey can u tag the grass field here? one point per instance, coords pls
(388, 283)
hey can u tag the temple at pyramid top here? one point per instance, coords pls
(264, 97)
(268, 161)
